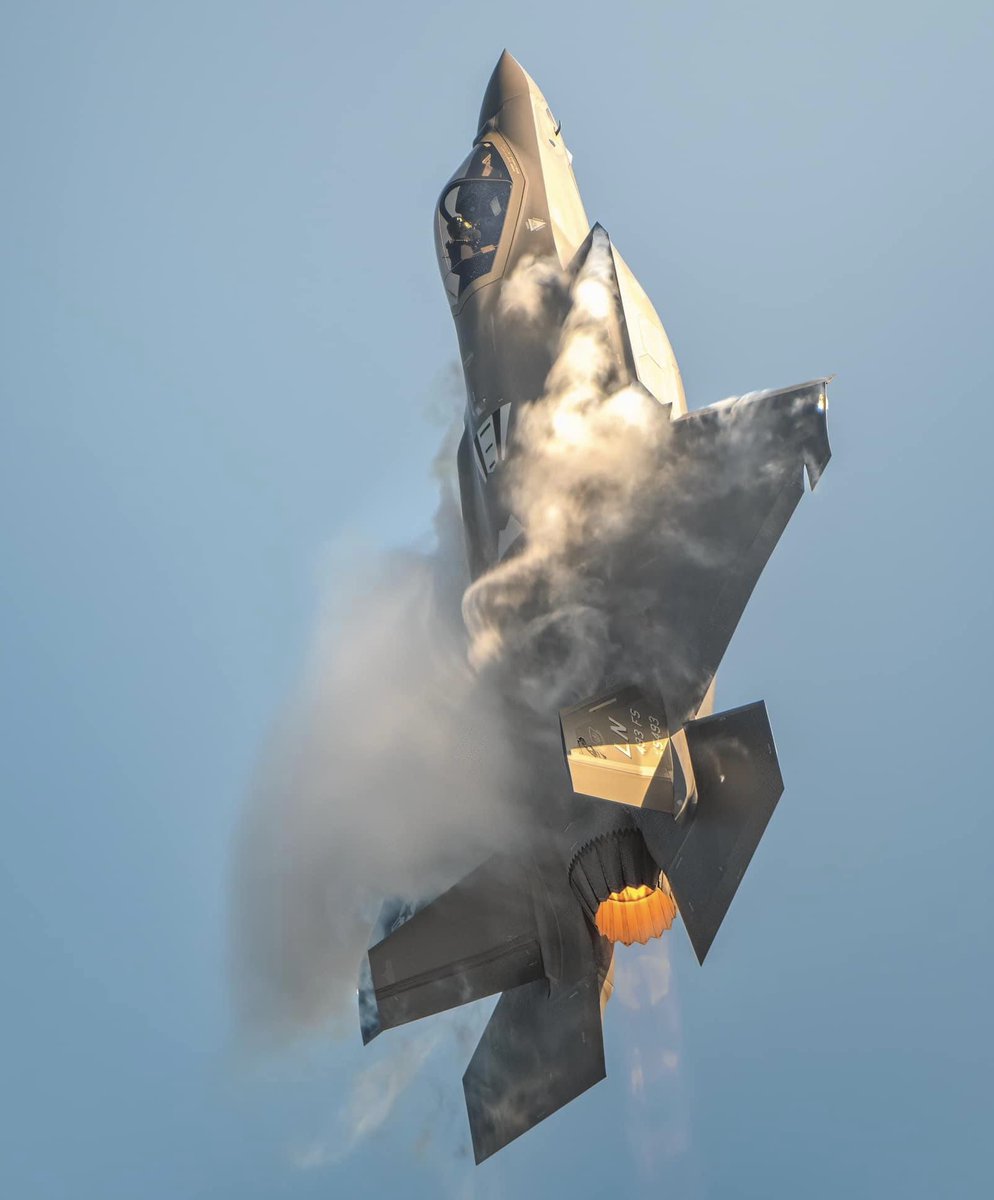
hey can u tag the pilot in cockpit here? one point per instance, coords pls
(472, 212)
(465, 238)
(462, 233)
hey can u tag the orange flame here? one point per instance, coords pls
(636, 914)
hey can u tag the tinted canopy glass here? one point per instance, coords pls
(471, 217)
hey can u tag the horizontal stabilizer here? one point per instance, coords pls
(393, 913)
(539, 1052)
(478, 938)
(738, 786)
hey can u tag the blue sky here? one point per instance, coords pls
(222, 339)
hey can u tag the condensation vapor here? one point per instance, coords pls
(405, 1079)
(540, 619)
(390, 773)
(608, 490)
(382, 779)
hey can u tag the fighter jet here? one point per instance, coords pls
(656, 804)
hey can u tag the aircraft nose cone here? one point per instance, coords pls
(507, 81)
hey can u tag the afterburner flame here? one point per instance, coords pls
(636, 914)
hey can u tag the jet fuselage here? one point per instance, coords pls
(660, 521)
(510, 219)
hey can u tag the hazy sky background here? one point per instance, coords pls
(222, 335)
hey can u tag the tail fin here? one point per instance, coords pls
(738, 786)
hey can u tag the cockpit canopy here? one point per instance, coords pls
(471, 215)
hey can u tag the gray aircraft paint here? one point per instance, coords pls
(730, 477)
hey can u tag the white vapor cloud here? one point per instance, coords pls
(373, 1094)
(383, 779)
(392, 772)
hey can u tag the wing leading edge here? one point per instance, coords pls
(729, 478)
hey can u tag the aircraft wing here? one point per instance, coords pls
(734, 473)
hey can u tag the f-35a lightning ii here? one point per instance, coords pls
(661, 803)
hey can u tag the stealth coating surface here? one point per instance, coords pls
(540, 1051)
(739, 784)
(731, 477)
(478, 938)
(656, 785)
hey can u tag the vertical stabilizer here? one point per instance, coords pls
(738, 786)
